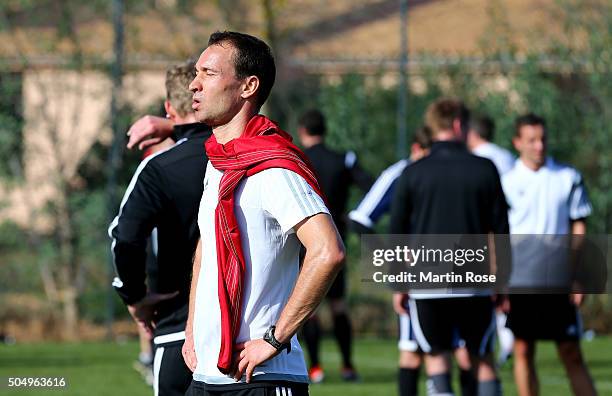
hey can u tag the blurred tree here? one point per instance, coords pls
(69, 243)
(11, 124)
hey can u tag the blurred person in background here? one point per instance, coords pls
(375, 204)
(451, 191)
(377, 200)
(144, 364)
(480, 142)
(336, 171)
(162, 202)
(546, 198)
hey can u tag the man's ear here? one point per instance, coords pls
(250, 87)
(516, 142)
(457, 127)
(470, 137)
(301, 133)
(170, 112)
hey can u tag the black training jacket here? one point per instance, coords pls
(336, 172)
(164, 194)
(449, 192)
(453, 192)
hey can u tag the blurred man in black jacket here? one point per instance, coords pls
(164, 195)
(336, 171)
(452, 192)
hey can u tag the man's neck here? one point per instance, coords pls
(234, 128)
(309, 141)
(445, 136)
(188, 119)
(534, 166)
(475, 143)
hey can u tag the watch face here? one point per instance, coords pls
(268, 337)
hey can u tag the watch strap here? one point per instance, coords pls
(271, 339)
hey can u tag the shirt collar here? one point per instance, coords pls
(448, 146)
(187, 131)
(524, 168)
(483, 147)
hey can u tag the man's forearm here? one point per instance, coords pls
(316, 276)
(149, 130)
(194, 284)
(130, 275)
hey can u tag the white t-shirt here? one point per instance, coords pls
(542, 205)
(502, 158)
(268, 205)
(546, 200)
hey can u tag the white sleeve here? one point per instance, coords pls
(377, 201)
(507, 163)
(579, 204)
(349, 159)
(289, 198)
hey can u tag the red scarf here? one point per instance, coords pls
(262, 145)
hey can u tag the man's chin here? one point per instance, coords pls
(203, 117)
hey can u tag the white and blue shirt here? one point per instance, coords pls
(378, 199)
(543, 203)
(268, 205)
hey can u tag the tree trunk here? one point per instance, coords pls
(70, 314)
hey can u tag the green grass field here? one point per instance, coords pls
(106, 368)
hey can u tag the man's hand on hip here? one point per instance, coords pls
(144, 310)
(252, 354)
(188, 351)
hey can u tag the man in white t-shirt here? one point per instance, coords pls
(260, 203)
(479, 141)
(547, 201)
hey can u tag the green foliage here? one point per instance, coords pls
(570, 88)
(18, 269)
(11, 236)
(11, 124)
(361, 115)
(358, 117)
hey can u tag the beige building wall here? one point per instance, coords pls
(65, 113)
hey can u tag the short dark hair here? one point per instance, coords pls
(440, 115)
(483, 126)
(253, 57)
(178, 94)
(528, 119)
(422, 137)
(314, 122)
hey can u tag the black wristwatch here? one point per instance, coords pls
(270, 339)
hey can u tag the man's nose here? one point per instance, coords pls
(194, 86)
(540, 146)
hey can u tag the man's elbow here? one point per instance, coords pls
(335, 255)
